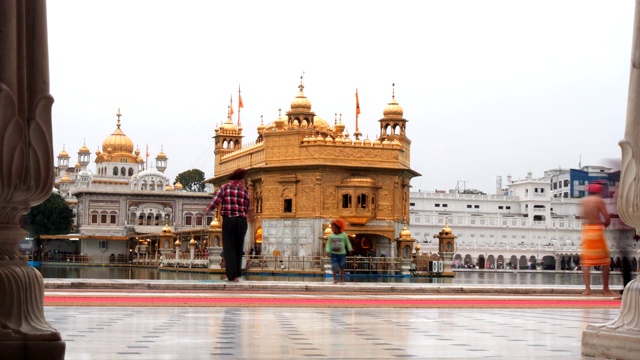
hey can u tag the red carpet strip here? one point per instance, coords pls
(143, 301)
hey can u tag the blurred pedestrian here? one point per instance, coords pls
(338, 245)
(595, 251)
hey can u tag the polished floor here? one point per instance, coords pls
(322, 333)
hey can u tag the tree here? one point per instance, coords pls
(191, 180)
(473, 191)
(52, 217)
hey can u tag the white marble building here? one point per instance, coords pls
(525, 227)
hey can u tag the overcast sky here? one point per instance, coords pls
(490, 88)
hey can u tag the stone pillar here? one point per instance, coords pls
(621, 338)
(26, 176)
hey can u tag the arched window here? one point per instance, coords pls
(130, 172)
(152, 185)
(113, 217)
(150, 219)
(199, 219)
(346, 201)
(103, 217)
(132, 218)
(158, 218)
(362, 201)
(123, 171)
(115, 171)
(94, 217)
(141, 219)
(188, 219)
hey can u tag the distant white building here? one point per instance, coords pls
(526, 227)
(120, 199)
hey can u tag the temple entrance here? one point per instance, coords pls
(363, 245)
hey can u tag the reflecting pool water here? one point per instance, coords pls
(478, 277)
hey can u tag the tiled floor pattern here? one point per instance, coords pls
(322, 333)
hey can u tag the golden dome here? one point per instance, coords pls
(261, 127)
(77, 165)
(64, 179)
(166, 230)
(328, 231)
(405, 233)
(301, 103)
(168, 188)
(84, 150)
(63, 153)
(192, 242)
(446, 230)
(178, 242)
(161, 155)
(178, 186)
(393, 109)
(417, 247)
(228, 125)
(281, 121)
(118, 141)
(319, 123)
(214, 224)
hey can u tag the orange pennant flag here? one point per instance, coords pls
(231, 106)
(240, 104)
(357, 104)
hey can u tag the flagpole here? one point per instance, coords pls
(357, 134)
(239, 105)
(146, 162)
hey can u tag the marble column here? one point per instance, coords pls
(26, 176)
(620, 339)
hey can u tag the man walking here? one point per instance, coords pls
(595, 251)
(233, 200)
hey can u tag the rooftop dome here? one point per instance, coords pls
(63, 153)
(301, 102)
(161, 155)
(393, 109)
(319, 123)
(118, 141)
(84, 150)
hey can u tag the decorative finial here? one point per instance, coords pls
(335, 118)
(118, 115)
(340, 117)
(279, 112)
(261, 119)
(393, 91)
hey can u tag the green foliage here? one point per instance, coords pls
(191, 180)
(52, 217)
(473, 191)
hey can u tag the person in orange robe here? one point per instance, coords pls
(595, 251)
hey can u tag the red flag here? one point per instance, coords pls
(357, 104)
(240, 104)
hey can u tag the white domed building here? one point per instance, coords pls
(120, 199)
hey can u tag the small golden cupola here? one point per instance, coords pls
(301, 103)
(393, 109)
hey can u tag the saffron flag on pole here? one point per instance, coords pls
(240, 104)
(231, 106)
(357, 104)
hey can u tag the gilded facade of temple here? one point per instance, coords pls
(303, 171)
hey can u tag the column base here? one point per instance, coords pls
(32, 350)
